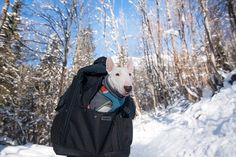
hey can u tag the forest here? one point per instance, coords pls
(181, 50)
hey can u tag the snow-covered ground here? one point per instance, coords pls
(29, 150)
(206, 129)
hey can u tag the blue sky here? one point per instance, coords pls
(131, 22)
(132, 26)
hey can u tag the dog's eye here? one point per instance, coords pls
(130, 74)
(117, 74)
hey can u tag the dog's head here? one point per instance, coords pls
(120, 78)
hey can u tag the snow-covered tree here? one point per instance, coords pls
(59, 18)
(84, 52)
(10, 51)
(45, 80)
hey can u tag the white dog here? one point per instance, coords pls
(120, 78)
(116, 86)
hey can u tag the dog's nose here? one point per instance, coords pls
(128, 88)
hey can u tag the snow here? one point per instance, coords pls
(29, 150)
(171, 32)
(205, 129)
(206, 93)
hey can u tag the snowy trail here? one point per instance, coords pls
(206, 129)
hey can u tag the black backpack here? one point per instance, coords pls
(79, 131)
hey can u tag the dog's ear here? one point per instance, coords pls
(109, 65)
(130, 65)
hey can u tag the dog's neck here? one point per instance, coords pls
(108, 83)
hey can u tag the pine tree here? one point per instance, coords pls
(122, 57)
(45, 92)
(85, 47)
(10, 75)
(3, 16)
(10, 53)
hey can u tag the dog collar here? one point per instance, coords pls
(116, 101)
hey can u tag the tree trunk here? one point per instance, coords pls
(211, 63)
(67, 34)
(176, 59)
(232, 14)
(204, 11)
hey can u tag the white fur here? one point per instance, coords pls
(120, 76)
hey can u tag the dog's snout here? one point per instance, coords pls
(128, 88)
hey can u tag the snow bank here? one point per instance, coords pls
(206, 129)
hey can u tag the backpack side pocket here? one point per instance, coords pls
(125, 132)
